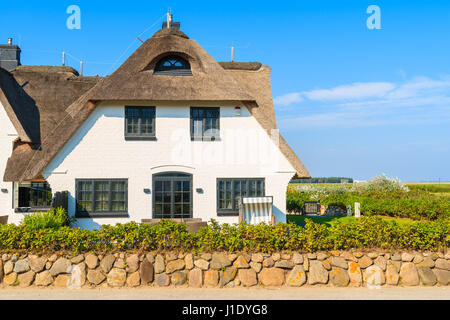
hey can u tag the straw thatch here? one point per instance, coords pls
(135, 79)
(64, 101)
(257, 83)
(35, 99)
(251, 66)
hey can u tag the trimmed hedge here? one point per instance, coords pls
(412, 205)
(366, 232)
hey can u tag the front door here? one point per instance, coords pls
(172, 195)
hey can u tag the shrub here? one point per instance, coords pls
(380, 196)
(380, 183)
(53, 219)
(365, 232)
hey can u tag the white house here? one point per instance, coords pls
(170, 134)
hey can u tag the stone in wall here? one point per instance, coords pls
(247, 277)
(339, 277)
(146, 272)
(317, 273)
(392, 276)
(271, 277)
(196, 278)
(296, 277)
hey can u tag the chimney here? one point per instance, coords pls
(9, 56)
(169, 24)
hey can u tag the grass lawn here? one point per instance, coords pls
(300, 220)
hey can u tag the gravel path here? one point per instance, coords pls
(305, 293)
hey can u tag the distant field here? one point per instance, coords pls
(443, 187)
(431, 187)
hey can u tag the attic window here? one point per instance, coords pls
(173, 66)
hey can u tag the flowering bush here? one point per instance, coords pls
(381, 183)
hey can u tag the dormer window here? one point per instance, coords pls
(173, 66)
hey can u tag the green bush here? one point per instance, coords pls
(53, 219)
(365, 232)
(415, 205)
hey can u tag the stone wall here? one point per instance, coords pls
(335, 268)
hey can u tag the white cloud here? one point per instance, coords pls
(288, 99)
(420, 100)
(354, 91)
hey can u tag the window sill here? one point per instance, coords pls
(140, 138)
(79, 215)
(228, 213)
(33, 210)
(205, 139)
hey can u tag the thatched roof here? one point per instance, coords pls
(169, 32)
(47, 69)
(209, 81)
(35, 99)
(251, 66)
(257, 83)
(64, 101)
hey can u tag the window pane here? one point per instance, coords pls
(158, 210)
(132, 116)
(252, 192)
(118, 206)
(244, 186)
(228, 190)
(84, 196)
(166, 210)
(259, 188)
(237, 193)
(166, 197)
(118, 196)
(205, 122)
(140, 120)
(198, 127)
(101, 196)
(186, 210)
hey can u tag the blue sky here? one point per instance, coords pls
(350, 101)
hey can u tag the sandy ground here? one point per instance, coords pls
(236, 294)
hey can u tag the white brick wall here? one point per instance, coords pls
(7, 135)
(99, 150)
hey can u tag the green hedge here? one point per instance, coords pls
(366, 232)
(412, 205)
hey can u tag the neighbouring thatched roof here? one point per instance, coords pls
(35, 99)
(72, 99)
(47, 69)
